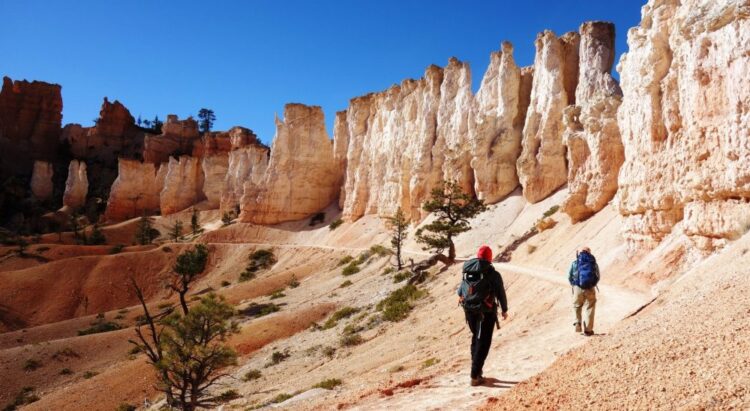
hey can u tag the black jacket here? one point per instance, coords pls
(477, 264)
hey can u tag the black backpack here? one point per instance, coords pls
(475, 290)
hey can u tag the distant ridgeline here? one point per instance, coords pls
(670, 144)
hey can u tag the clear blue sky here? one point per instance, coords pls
(246, 59)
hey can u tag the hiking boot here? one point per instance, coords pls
(588, 333)
(578, 328)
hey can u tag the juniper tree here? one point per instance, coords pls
(398, 225)
(452, 209)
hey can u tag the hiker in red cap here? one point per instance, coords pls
(480, 291)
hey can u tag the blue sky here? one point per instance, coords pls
(246, 59)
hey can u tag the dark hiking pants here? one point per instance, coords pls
(481, 325)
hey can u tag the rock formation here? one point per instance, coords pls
(246, 167)
(301, 174)
(541, 166)
(592, 137)
(183, 184)
(41, 180)
(136, 190)
(30, 120)
(214, 169)
(684, 123)
(496, 126)
(178, 138)
(76, 186)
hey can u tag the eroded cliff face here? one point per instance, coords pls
(136, 190)
(246, 168)
(41, 180)
(684, 123)
(30, 121)
(177, 138)
(542, 165)
(76, 185)
(301, 175)
(592, 136)
(183, 184)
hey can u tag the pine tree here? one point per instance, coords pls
(145, 232)
(194, 222)
(188, 265)
(207, 119)
(452, 209)
(398, 224)
(175, 233)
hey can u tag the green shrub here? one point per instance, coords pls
(328, 384)
(281, 398)
(277, 357)
(345, 260)
(252, 375)
(277, 294)
(293, 282)
(259, 260)
(397, 306)
(164, 305)
(89, 374)
(126, 407)
(380, 250)
(246, 276)
(100, 327)
(225, 283)
(363, 257)
(350, 269)
(329, 351)
(552, 210)
(25, 396)
(346, 283)
(268, 309)
(388, 270)
(430, 362)
(401, 276)
(345, 312)
(32, 365)
(335, 224)
(227, 396)
(66, 371)
(348, 340)
(65, 352)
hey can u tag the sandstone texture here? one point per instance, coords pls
(246, 168)
(496, 126)
(301, 174)
(76, 185)
(178, 138)
(183, 184)
(30, 121)
(136, 190)
(214, 170)
(41, 180)
(684, 123)
(542, 164)
(592, 136)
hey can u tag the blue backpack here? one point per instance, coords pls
(588, 273)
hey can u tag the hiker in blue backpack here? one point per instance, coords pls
(480, 291)
(583, 278)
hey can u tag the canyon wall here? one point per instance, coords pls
(183, 184)
(301, 174)
(41, 180)
(136, 190)
(246, 168)
(684, 121)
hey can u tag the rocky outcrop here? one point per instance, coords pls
(136, 190)
(301, 175)
(246, 168)
(183, 184)
(41, 180)
(114, 135)
(541, 166)
(684, 123)
(496, 126)
(340, 151)
(222, 142)
(178, 138)
(76, 186)
(30, 120)
(594, 147)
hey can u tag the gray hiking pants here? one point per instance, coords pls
(581, 296)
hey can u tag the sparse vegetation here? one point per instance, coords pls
(388, 270)
(379, 250)
(552, 210)
(66, 371)
(175, 232)
(68, 352)
(90, 374)
(398, 225)
(349, 340)
(116, 249)
(430, 362)
(345, 260)
(100, 326)
(227, 396)
(226, 219)
(225, 283)
(397, 306)
(452, 209)
(401, 276)
(145, 233)
(345, 312)
(346, 283)
(335, 224)
(545, 224)
(32, 365)
(329, 351)
(351, 269)
(25, 396)
(277, 294)
(259, 310)
(259, 260)
(293, 282)
(187, 267)
(328, 384)
(281, 398)
(277, 357)
(252, 375)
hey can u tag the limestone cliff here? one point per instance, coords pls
(41, 180)
(30, 120)
(136, 190)
(541, 166)
(183, 184)
(301, 175)
(594, 147)
(684, 122)
(76, 185)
